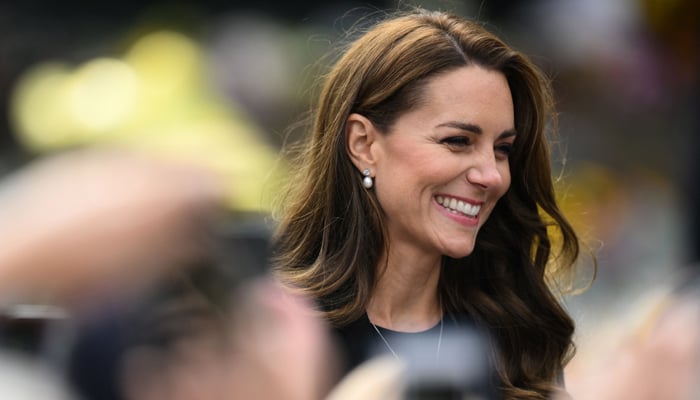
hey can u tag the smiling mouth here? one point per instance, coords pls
(458, 206)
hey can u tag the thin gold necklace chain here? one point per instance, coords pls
(386, 342)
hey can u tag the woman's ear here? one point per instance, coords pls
(360, 135)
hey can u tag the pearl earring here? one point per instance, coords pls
(367, 181)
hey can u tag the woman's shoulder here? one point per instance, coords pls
(353, 340)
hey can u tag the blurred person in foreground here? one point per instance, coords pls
(658, 357)
(424, 200)
(78, 223)
(132, 248)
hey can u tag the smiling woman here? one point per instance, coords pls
(424, 199)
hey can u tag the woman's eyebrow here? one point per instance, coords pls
(508, 133)
(465, 126)
(469, 127)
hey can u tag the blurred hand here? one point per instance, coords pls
(93, 220)
(661, 364)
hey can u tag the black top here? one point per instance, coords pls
(443, 362)
(359, 341)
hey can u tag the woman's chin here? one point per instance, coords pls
(459, 252)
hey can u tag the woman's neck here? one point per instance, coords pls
(405, 296)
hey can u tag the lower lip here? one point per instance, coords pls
(458, 217)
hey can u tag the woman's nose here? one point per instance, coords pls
(484, 171)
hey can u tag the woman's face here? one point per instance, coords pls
(443, 165)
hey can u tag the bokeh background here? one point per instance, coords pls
(222, 84)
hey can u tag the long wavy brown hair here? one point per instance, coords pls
(331, 233)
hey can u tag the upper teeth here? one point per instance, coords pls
(458, 205)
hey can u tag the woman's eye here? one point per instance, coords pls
(505, 149)
(456, 141)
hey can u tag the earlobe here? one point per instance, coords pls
(360, 135)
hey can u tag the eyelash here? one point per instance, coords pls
(457, 141)
(463, 141)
